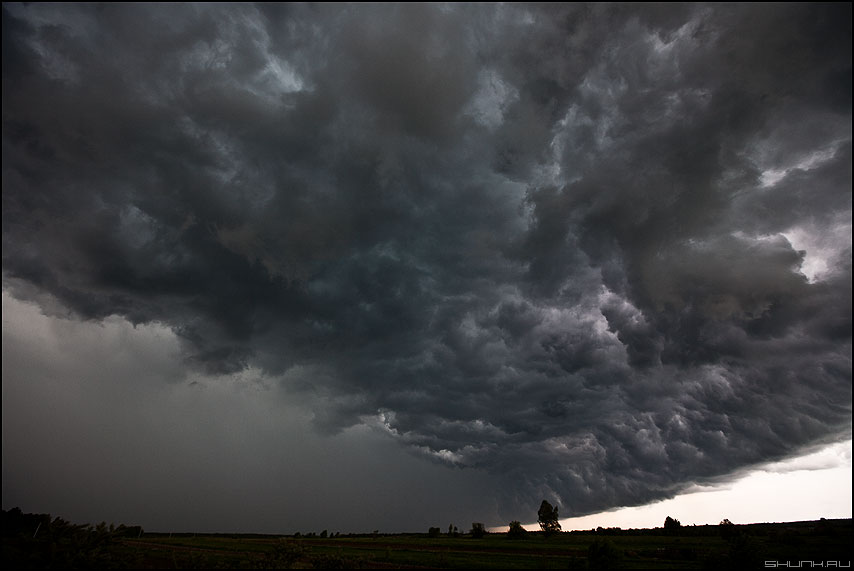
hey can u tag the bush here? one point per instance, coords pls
(516, 530)
(672, 526)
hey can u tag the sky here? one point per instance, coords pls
(289, 267)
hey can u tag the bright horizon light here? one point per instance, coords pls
(810, 487)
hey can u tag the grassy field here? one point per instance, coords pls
(701, 547)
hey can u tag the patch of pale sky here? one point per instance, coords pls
(809, 487)
(821, 245)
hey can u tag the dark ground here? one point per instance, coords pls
(36, 541)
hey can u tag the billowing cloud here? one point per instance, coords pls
(602, 251)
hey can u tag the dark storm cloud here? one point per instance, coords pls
(553, 242)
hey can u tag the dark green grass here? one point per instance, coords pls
(700, 547)
(643, 549)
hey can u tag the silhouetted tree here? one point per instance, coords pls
(35, 541)
(477, 530)
(671, 525)
(516, 530)
(434, 532)
(547, 518)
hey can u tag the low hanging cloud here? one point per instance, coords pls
(553, 243)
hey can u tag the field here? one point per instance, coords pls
(701, 547)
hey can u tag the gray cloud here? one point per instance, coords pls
(550, 243)
(104, 422)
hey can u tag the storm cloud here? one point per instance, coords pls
(602, 252)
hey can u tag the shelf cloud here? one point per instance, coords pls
(602, 252)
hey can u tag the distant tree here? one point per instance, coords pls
(324, 533)
(477, 530)
(434, 532)
(672, 525)
(516, 530)
(547, 518)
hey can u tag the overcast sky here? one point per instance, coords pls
(293, 267)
